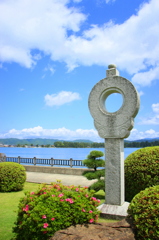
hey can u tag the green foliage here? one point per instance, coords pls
(99, 185)
(12, 177)
(80, 144)
(94, 161)
(141, 143)
(141, 171)
(94, 174)
(144, 211)
(51, 208)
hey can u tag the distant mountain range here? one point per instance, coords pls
(35, 141)
(44, 141)
(144, 140)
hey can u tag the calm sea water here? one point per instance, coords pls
(57, 153)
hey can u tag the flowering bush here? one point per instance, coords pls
(54, 207)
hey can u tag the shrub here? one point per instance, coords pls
(141, 171)
(12, 176)
(54, 207)
(94, 161)
(99, 185)
(144, 211)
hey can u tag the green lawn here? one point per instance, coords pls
(9, 207)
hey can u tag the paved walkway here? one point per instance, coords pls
(65, 179)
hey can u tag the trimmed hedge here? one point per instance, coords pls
(141, 171)
(12, 176)
(144, 211)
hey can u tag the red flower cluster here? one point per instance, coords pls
(26, 209)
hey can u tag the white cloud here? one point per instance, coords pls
(108, 1)
(60, 133)
(141, 93)
(61, 98)
(135, 134)
(77, 1)
(150, 120)
(50, 69)
(132, 45)
(145, 78)
(67, 134)
(43, 25)
(154, 120)
(155, 107)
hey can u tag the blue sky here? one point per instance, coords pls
(52, 53)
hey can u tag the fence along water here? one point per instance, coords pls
(40, 161)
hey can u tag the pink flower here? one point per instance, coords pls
(69, 200)
(61, 200)
(52, 219)
(86, 195)
(43, 216)
(93, 198)
(83, 210)
(98, 200)
(90, 211)
(32, 193)
(60, 195)
(44, 192)
(77, 189)
(91, 220)
(26, 209)
(53, 195)
(45, 225)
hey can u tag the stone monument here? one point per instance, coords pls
(114, 127)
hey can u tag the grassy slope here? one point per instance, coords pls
(8, 209)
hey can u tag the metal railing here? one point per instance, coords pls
(52, 162)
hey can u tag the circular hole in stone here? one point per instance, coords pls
(113, 102)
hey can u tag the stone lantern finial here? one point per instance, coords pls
(112, 71)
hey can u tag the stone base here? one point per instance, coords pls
(99, 231)
(114, 211)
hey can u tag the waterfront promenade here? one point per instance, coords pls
(38, 177)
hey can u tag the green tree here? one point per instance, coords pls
(47, 145)
(94, 161)
(58, 144)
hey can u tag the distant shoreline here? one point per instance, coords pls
(55, 143)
